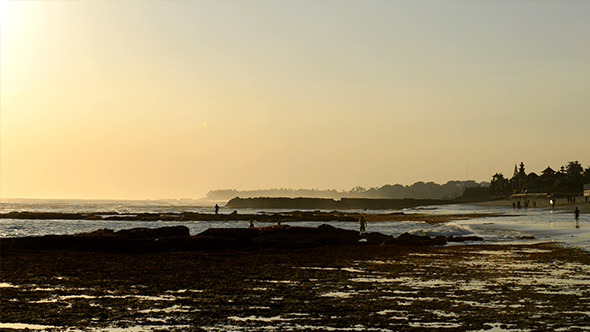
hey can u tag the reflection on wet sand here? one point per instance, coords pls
(368, 288)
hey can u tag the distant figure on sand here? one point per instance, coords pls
(251, 224)
(216, 209)
(577, 213)
(363, 224)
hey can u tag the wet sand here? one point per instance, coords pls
(341, 288)
(561, 204)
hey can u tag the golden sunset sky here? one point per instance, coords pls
(171, 99)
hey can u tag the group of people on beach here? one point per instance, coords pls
(516, 205)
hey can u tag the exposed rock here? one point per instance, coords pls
(376, 238)
(162, 232)
(177, 238)
(407, 239)
(464, 238)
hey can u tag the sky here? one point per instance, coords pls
(171, 99)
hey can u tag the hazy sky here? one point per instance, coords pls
(171, 99)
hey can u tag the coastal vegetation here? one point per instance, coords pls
(569, 180)
(418, 190)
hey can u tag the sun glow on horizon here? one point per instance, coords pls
(173, 99)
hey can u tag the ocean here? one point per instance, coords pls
(513, 226)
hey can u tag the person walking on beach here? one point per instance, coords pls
(577, 213)
(363, 224)
(216, 209)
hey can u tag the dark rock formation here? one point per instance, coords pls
(407, 239)
(177, 238)
(463, 238)
(162, 232)
(376, 238)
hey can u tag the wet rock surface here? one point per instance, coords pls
(328, 288)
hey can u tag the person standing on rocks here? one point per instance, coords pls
(363, 224)
(216, 209)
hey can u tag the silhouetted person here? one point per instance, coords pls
(577, 213)
(251, 224)
(518, 205)
(216, 209)
(363, 224)
(534, 204)
(514, 205)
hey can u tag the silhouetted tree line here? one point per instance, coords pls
(567, 181)
(419, 190)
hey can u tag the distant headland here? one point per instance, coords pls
(568, 181)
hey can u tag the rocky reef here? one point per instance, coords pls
(178, 238)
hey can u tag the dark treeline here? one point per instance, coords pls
(569, 180)
(419, 190)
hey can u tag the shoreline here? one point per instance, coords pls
(541, 203)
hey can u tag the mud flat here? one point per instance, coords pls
(324, 288)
